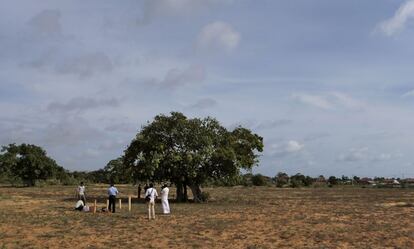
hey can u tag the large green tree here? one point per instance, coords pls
(188, 152)
(116, 172)
(29, 163)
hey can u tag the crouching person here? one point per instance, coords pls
(79, 205)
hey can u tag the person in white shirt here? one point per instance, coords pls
(152, 194)
(81, 192)
(164, 200)
(112, 192)
(79, 205)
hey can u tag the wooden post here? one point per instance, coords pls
(94, 207)
(120, 203)
(107, 204)
(129, 203)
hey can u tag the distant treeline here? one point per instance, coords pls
(29, 165)
(283, 180)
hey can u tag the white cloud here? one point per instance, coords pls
(159, 8)
(204, 103)
(79, 104)
(399, 20)
(408, 94)
(293, 146)
(354, 155)
(271, 124)
(364, 154)
(387, 156)
(329, 101)
(262, 125)
(313, 100)
(123, 127)
(89, 153)
(177, 77)
(218, 36)
(346, 101)
(286, 148)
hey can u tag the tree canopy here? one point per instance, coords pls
(187, 152)
(29, 163)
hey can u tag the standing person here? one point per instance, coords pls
(81, 193)
(139, 191)
(112, 192)
(150, 196)
(164, 199)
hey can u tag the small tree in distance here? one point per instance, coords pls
(281, 179)
(259, 180)
(332, 180)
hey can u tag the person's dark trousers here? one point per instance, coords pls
(82, 197)
(112, 203)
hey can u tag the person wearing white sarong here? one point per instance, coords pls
(164, 200)
(152, 194)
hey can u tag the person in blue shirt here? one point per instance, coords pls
(112, 192)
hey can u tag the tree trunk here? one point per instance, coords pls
(180, 193)
(29, 182)
(196, 190)
(185, 193)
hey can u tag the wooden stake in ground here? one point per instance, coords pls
(129, 203)
(120, 203)
(94, 207)
(107, 204)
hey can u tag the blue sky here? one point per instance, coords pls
(327, 83)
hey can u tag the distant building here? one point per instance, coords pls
(366, 181)
(390, 182)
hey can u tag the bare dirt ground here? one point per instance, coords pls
(238, 217)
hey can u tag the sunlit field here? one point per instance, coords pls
(237, 217)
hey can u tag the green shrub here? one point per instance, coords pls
(259, 180)
(71, 181)
(296, 183)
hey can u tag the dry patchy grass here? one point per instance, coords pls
(238, 217)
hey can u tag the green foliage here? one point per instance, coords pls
(356, 179)
(332, 180)
(96, 176)
(116, 172)
(296, 184)
(281, 179)
(29, 163)
(69, 180)
(308, 181)
(259, 180)
(297, 180)
(226, 181)
(190, 151)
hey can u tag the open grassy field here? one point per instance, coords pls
(238, 217)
